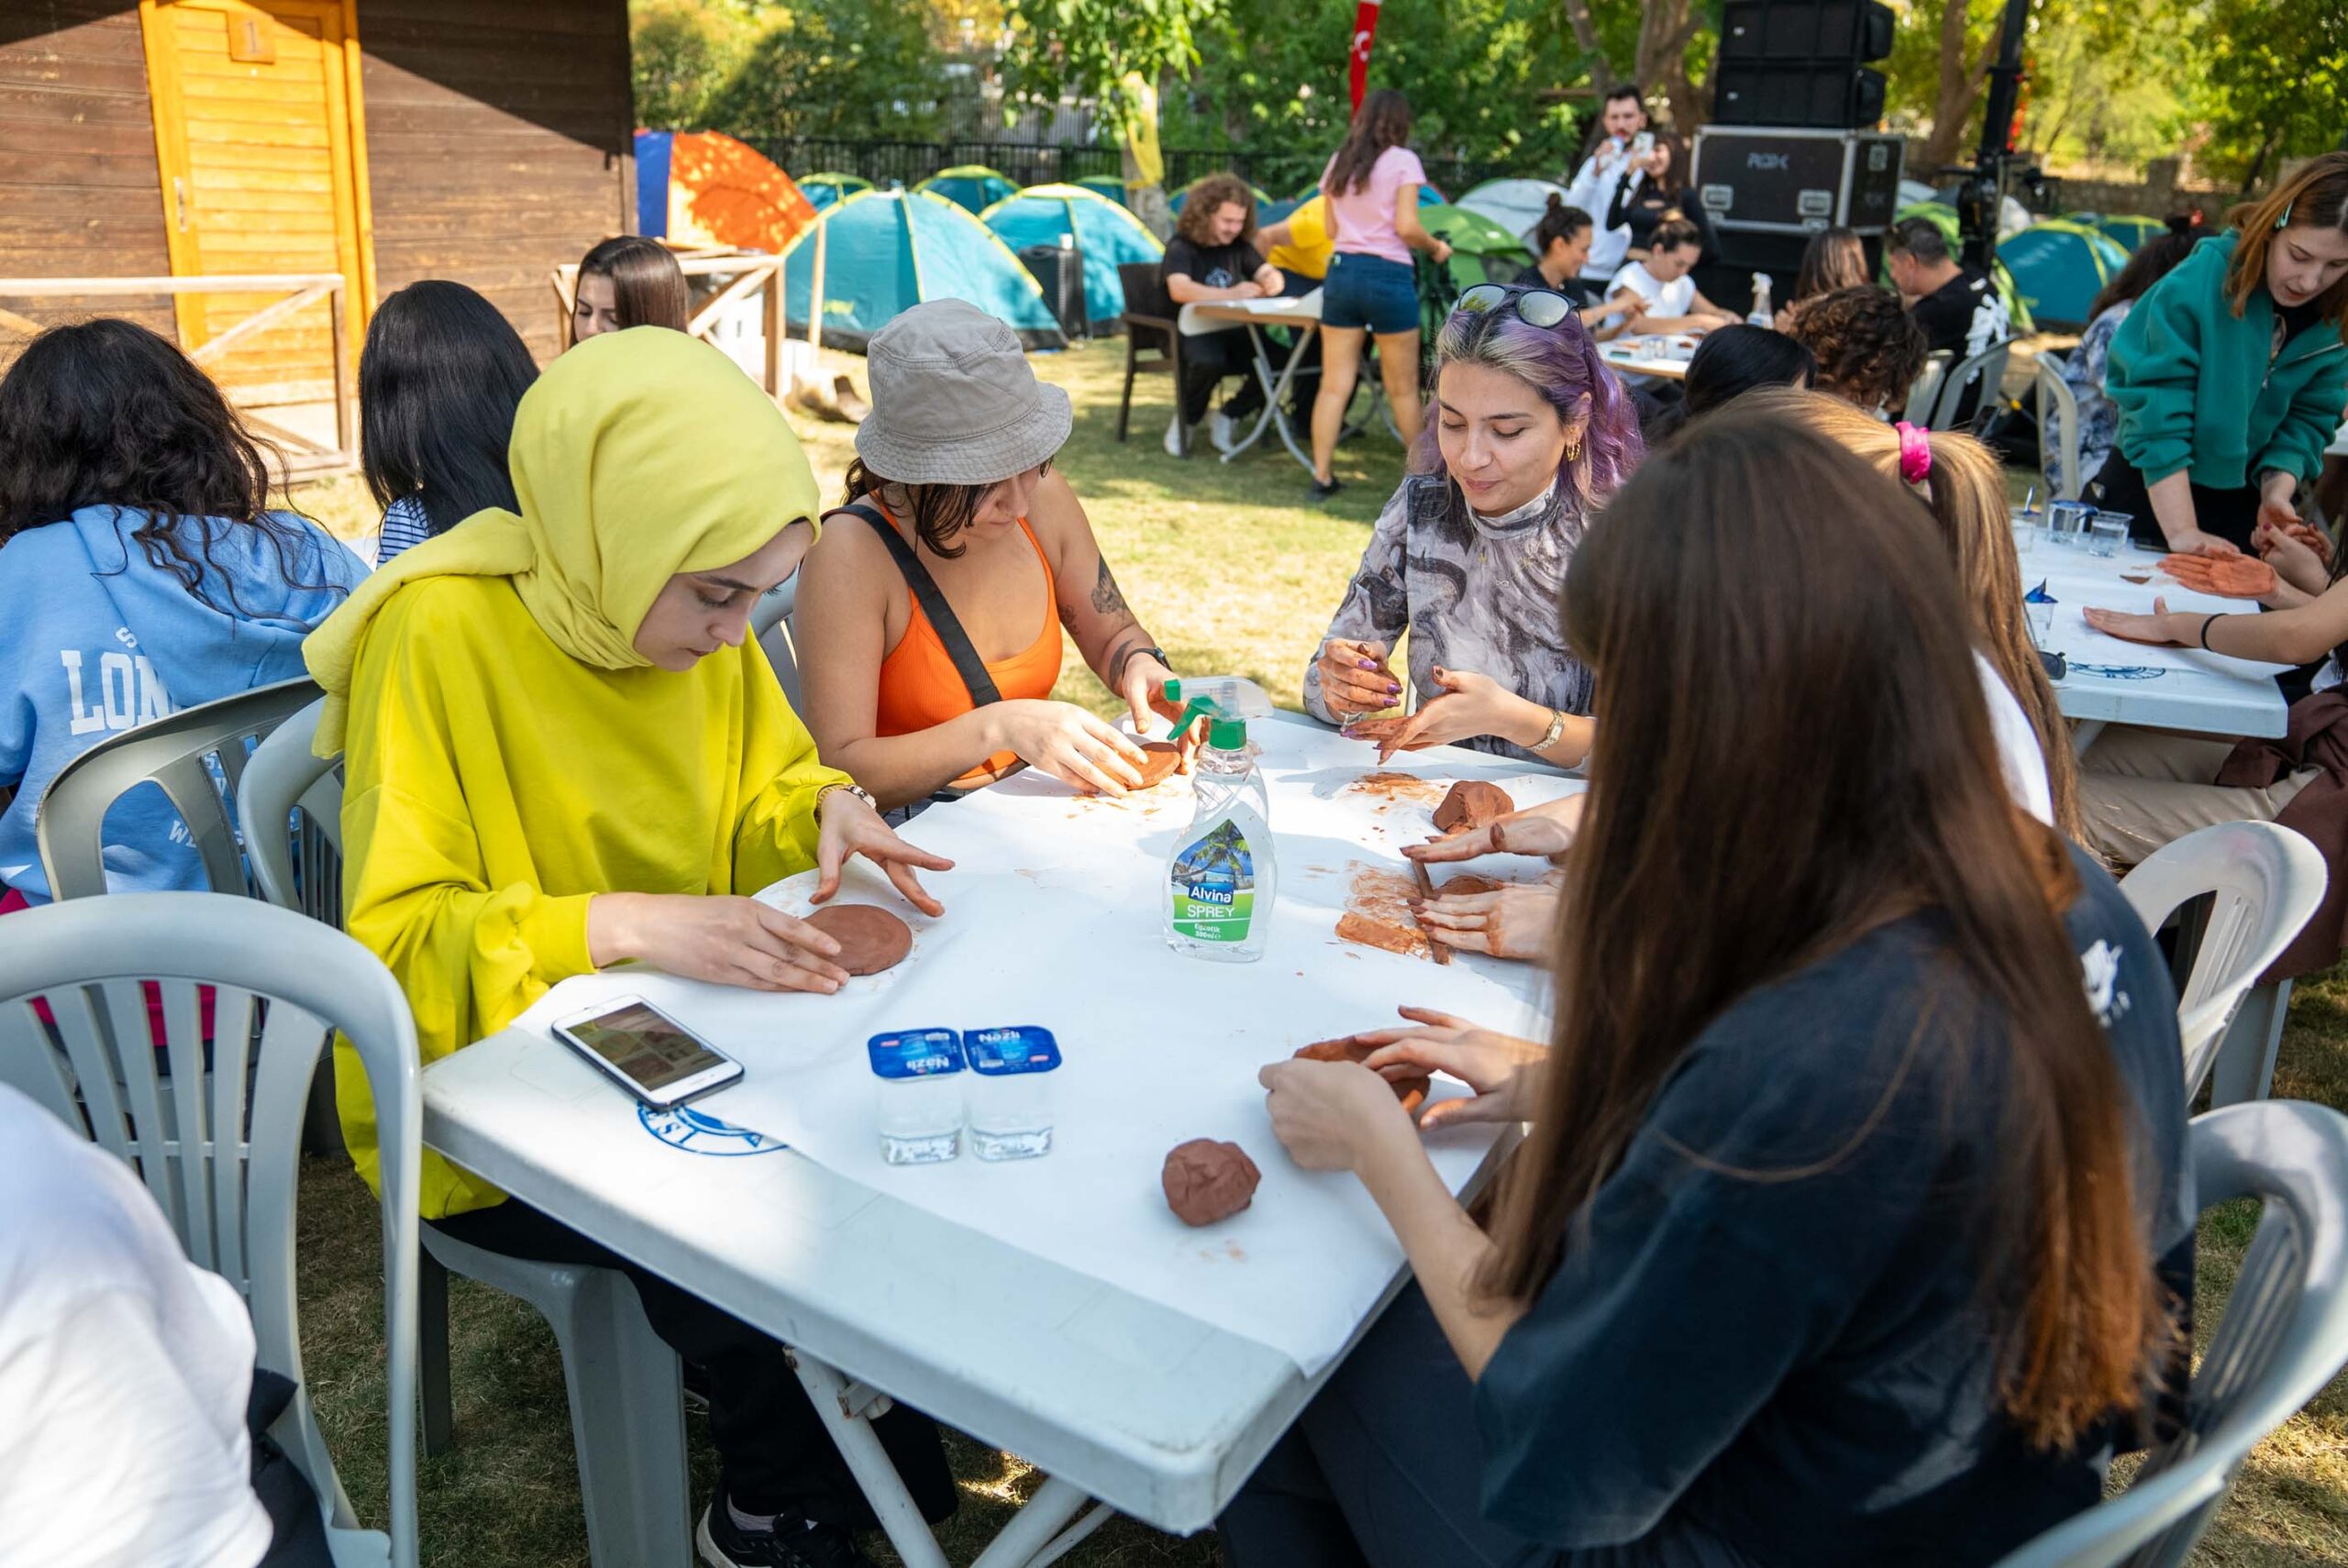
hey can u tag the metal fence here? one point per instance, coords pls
(907, 163)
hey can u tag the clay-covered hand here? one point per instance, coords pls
(2194, 542)
(1356, 678)
(733, 941)
(2160, 628)
(1327, 1113)
(1514, 922)
(2289, 547)
(1499, 1068)
(1063, 740)
(849, 826)
(1465, 705)
(1548, 829)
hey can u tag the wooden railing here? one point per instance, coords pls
(754, 273)
(298, 290)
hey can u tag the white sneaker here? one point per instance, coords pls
(1174, 438)
(1219, 431)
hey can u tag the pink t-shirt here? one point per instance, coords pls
(1362, 221)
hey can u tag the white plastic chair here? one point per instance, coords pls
(1925, 391)
(223, 1159)
(2283, 1339)
(1986, 369)
(2058, 403)
(627, 1399)
(770, 623)
(2266, 880)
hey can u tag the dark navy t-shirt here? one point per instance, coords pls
(1772, 1324)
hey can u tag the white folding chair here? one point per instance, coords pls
(1986, 370)
(1925, 391)
(627, 1399)
(2266, 880)
(216, 1134)
(2283, 1339)
(2058, 429)
(770, 623)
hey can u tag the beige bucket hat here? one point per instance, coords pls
(954, 401)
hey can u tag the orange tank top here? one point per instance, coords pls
(920, 687)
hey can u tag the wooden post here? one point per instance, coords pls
(775, 388)
(815, 297)
(346, 423)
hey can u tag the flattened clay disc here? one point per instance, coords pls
(1205, 1181)
(1471, 804)
(1412, 1091)
(870, 939)
(1159, 759)
(1468, 882)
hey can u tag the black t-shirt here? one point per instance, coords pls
(1211, 266)
(1963, 315)
(1638, 206)
(1769, 1322)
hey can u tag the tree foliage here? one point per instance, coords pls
(2268, 82)
(824, 67)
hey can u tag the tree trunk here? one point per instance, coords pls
(1666, 29)
(1960, 89)
(1145, 171)
(1585, 31)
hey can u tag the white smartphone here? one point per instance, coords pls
(652, 1056)
(1642, 144)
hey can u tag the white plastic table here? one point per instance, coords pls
(1640, 356)
(1149, 1412)
(2111, 681)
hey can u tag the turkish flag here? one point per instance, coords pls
(1365, 31)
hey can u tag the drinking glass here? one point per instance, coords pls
(2028, 525)
(2108, 533)
(2066, 522)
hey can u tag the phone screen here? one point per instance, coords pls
(652, 1052)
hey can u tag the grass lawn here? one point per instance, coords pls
(1236, 574)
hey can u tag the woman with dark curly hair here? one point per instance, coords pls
(142, 571)
(1870, 351)
(1212, 259)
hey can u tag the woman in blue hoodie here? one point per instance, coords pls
(141, 573)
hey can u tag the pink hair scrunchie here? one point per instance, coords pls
(1915, 452)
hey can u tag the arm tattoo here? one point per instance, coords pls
(1105, 597)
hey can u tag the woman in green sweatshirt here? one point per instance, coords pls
(2232, 375)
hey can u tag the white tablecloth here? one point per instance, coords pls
(1052, 920)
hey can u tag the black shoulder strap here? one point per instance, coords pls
(966, 662)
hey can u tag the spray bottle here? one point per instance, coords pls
(1220, 879)
(1761, 315)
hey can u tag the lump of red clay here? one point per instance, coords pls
(870, 939)
(1412, 1091)
(1159, 759)
(1207, 1181)
(1465, 883)
(1471, 804)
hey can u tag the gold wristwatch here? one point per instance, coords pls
(859, 790)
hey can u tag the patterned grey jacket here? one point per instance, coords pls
(1476, 593)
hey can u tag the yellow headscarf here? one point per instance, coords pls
(638, 455)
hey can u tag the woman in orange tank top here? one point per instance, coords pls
(955, 515)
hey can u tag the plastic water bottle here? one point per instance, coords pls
(1220, 879)
(1762, 314)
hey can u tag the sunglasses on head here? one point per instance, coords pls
(1534, 307)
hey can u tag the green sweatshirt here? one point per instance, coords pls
(2195, 391)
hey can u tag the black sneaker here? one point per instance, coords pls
(1323, 489)
(723, 1544)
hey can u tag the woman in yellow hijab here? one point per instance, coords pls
(562, 749)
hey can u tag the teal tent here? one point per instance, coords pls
(1944, 217)
(887, 250)
(971, 186)
(2059, 268)
(1262, 199)
(2125, 229)
(1482, 251)
(1107, 185)
(822, 190)
(1105, 232)
(1428, 196)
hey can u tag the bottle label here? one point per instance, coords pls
(915, 1054)
(1214, 887)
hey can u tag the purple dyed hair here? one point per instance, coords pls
(1561, 363)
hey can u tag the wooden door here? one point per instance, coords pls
(262, 152)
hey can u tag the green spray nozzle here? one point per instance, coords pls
(1201, 707)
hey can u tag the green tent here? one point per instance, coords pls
(2060, 267)
(1944, 217)
(830, 186)
(971, 186)
(1263, 200)
(2126, 230)
(1482, 251)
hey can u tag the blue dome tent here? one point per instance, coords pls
(1107, 185)
(830, 186)
(2058, 269)
(885, 251)
(1105, 233)
(972, 187)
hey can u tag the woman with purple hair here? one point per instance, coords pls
(1530, 432)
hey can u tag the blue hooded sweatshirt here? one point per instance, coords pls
(96, 639)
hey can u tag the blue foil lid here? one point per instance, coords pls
(2039, 595)
(1013, 1048)
(915, 1054)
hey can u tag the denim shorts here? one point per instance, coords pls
(1371, 292)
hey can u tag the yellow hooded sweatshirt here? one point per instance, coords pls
(509, 753)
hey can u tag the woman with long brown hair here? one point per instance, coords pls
(1859, 1132)
(629, 280)
(1834, 258)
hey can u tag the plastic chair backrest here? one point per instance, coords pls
(2266, 880)
(1925, 392)
(2284, 1336)
(289, 813)
(180, 753)
(770, 623)
(215, 1131)
(1986, 369)
(2057, 401)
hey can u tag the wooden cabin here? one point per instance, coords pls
(378, 141)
